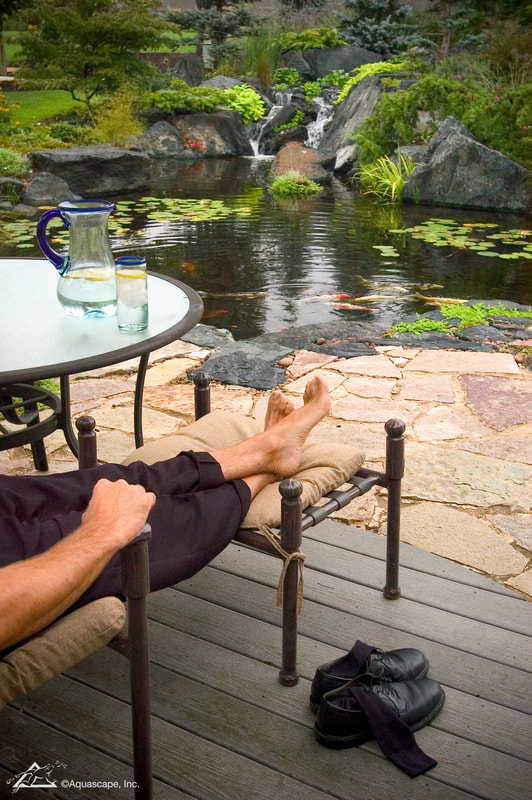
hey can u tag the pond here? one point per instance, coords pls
(264, 265)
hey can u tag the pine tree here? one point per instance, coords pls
(377, 25)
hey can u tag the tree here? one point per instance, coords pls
(217, 21)
(7, 9)
(377, 25)
(302, 5)
(87, 47)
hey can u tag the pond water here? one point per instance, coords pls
(264, 265)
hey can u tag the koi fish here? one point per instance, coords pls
(350, 306)
(438, 301)
(323, 297)
(208, 314)
(373, 297)
(188, 266)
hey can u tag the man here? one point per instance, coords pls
(60, 534)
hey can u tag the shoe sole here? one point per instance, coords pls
(355, 740)
(314, 702)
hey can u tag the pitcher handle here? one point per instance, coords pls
(57, 260)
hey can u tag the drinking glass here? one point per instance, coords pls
(131, 293)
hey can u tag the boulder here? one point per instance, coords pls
(318, 62)
(222, 82)
(47, 190)
(322, 61)
(348, 116)
(221, 133)
(94, 170)
(164, 140)
(189, 69)
(312, 164)
(460, 171)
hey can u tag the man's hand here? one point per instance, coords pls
(117, 511)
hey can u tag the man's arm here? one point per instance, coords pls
(33, 593)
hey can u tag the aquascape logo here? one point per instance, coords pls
(35, 777)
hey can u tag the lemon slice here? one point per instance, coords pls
(131, 273)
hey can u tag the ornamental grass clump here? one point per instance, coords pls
(385, 179)
(294, 185)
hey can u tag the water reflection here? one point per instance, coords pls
(292, 263)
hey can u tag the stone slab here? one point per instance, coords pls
(370, 387)
(466, 362)
(372, 410)
(378, 366)
(517, 526)
(523, 583)
(179, 399)
(305, 361)
(436, 388)
(93, 388)
(452, 476)
(368, 437)
(459, 536)
(499, 402)
(444, 422)
(332, 379)
(509, 448)
(172, 350)
(120, 418)
(167, 371)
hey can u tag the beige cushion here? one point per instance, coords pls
(58, 647)
(323, 466)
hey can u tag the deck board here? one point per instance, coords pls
(225, 729)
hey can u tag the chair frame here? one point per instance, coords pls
(295, 520)
(134, 645)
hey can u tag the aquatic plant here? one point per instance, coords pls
(385, 179)
(293, 184)
(476, 314)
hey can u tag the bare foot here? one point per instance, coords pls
(290, 433)
(279, 406)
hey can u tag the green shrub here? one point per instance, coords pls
(312, 89)
(336, 77)
(410, 66)
(320, 38)
(246, 101)
(116, 118)
(72, 134)
(385, 179)
(499, 117)
(11, 163)
(181, 99)
(293, 184)
(296, 120)
(25, 138)
(283, 77)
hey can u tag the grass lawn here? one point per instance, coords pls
(36, 106)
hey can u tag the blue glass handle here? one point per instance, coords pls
(57, 260)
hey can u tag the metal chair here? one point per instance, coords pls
(88, 628)
(295, 520)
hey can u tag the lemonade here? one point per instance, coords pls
(132, 293)
(88, 292)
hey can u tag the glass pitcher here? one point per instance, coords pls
(86, 286)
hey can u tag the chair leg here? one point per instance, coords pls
(135, 577)
(394, 472)
(291, 542)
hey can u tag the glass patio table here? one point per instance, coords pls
(38, 339)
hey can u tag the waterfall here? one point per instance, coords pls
(315, 129)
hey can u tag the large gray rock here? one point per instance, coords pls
(221, 133)
(247, 364)
(349, 115)
(222, 82)
(164, 140)
(318, 62)
(95, 170)
(322, 61)
(189, 69)
(47, 190)
(460, 171)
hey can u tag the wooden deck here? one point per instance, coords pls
(224, 728)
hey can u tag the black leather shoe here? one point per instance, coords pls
(351, 715)
(393, 665)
